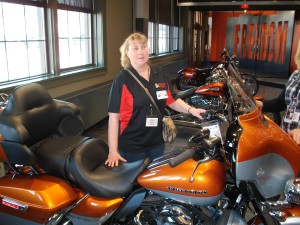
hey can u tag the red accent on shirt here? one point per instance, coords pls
(170, 98)
(126, 108)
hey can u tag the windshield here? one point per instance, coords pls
(242, 101)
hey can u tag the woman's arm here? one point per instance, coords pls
(183, 107)
(295, 134)
(113, 128)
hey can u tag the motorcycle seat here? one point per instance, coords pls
(203, 70)
(37, 129)
(86, 168)
(186, 93)
(32, 119)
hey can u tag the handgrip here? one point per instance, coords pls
(181, 157)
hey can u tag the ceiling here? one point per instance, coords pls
(223, 5)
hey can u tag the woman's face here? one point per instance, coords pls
(138, 53)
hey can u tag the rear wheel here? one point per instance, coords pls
(250, 82)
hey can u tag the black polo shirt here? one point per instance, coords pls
(133, 104)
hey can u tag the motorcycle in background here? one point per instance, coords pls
(211, 96)
(189, 77)
(3, 100)
(57, 176)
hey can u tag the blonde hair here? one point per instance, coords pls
(297, 56)
(125, 61)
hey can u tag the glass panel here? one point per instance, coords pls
(23, 51)
(86, 52)
(1, 22)
(175, 38)
(63, 28)
(151, 37)
(34, 23)
(163, 38)
(85, 25)
(73, 24)
(180, 41)
(242, 101)
(14, 23)
(17, 60)
(3, 63)
(64, 53)
(74, 39)
(75, 59)
(37, 58)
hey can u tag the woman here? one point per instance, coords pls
(135, 126)
(289, 100)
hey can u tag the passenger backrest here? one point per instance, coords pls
(31, 115)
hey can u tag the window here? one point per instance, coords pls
(175, 42)
(22, 41)
(168, 40)
(36, 41)
(163, 39)
(151, 35)
(74, 35)
(164, 17)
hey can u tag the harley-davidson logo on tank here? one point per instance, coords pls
(262, 42)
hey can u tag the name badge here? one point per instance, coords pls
(151, 121)
(291, 115)
(161, 94)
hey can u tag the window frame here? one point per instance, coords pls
(170, 41)
(171, 21)
(55, 75)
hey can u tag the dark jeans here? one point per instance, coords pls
(134, 156)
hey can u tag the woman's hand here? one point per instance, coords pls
(196, 112)
(113, 127)
(180, 106)
(295, 134)
(259, 103)
(113, 159)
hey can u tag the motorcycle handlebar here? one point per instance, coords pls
(182, 157)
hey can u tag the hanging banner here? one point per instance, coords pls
(262, 43)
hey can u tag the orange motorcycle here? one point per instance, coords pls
(55, 175)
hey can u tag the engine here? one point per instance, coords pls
(168, 212)
(292, 190)
(207, 102)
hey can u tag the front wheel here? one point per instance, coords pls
(250, 83)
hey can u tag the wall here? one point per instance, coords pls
(218, 41)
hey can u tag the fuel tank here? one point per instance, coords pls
(203, 187)
(34, 198)
(192, 73)
(212, 89)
